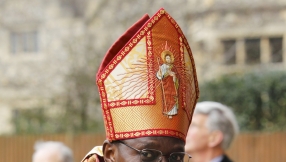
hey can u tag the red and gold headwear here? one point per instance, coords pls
(147, 81)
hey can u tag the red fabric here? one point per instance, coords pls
(119, 44)
(170, 92)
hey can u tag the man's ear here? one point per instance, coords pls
(215, 138)
(108, 151)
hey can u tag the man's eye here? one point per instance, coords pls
(177, 157)
(149, 155)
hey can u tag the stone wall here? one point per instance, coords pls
(32, 79)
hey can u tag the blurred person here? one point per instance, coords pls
(212, 131)
(148, 89)
(52, 151)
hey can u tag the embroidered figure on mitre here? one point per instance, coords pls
(168, 76)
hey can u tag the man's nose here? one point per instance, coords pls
(164, 159)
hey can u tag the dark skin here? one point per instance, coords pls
(116, 152)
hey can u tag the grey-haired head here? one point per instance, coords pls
(220, 117)
(52, 151)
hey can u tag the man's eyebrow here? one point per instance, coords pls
(151, 145)
(178, 148)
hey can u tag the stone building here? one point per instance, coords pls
(36, 37)
(32, 54)
(238, 36)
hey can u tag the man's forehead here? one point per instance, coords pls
(199, 120)
(47, 156)
(199, 117)
(152, 142)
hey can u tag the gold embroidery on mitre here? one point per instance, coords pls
(169, 82)
(128, 81)
(150, 86)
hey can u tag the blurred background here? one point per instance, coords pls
(50, 52)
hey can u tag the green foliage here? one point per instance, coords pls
(30, 120)
(258, 99)
(42, 121)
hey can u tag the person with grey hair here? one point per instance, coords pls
(52, 151)
(212, 131)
